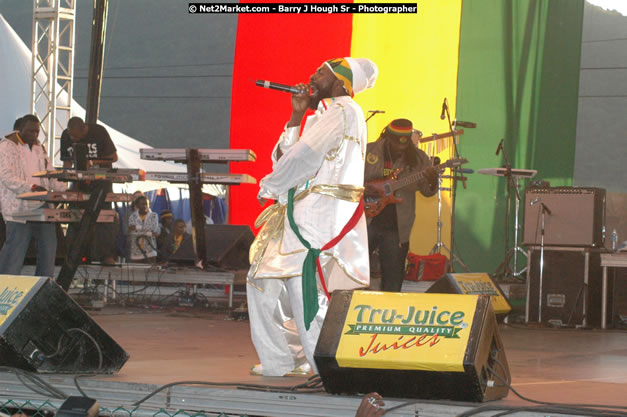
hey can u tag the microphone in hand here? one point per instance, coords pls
(279, 87)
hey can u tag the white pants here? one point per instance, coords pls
(277, 325)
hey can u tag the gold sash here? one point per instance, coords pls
(273, 217)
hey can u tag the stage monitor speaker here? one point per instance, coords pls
(577, 216)
(477, 284)
(228, 245)
(43, 330)
(566, 296)
(412, 345)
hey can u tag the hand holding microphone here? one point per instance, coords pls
(300, 104)
(300, 98)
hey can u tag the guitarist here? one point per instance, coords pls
(389, 230)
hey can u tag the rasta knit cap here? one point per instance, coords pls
(357, 74)
(399, 127)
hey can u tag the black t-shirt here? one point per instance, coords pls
(98, 141)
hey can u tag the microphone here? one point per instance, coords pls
(444, 107)
(500, 147)
(466, 170)
(376, 111)
(544, 207)
(279, 87)
(469, 125)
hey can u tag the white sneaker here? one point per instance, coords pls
(256, 370)
(303, 370)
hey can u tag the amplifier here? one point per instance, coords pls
(577, 216)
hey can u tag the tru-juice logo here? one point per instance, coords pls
(8, 299)
(414, 328)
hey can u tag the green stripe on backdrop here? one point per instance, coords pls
(518, 80)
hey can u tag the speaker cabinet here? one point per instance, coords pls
(43, 330)
(577, 216)
(571, 287)
(474, 283)
(228, 245)
(412, 345)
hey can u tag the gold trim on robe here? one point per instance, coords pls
(273, 220)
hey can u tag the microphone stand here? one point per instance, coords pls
(372, 115)
(544, 210)
(453, 190)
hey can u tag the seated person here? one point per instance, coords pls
(179, 244)
(143, 228)
(166, 219)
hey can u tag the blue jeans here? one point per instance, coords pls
(16, 244)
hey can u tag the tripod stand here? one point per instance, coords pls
(437, 248)
(508, 268)
(453, 189)
(505, 270)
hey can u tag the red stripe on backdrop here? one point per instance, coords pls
(283, 48)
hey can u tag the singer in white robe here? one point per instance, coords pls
(325, 165)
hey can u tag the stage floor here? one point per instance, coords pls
(165, 346)
(554, 365)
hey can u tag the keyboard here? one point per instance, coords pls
(206, 178)
(71, 197)
(51, 215)
(206, 155)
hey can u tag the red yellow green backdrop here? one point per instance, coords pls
(511, 66)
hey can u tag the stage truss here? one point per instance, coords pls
(52, 68)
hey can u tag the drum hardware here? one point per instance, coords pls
(513, 175)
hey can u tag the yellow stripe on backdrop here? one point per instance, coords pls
(417, 56)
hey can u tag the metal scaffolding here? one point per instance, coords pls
(53, 68)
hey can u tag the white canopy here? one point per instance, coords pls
(15, 100)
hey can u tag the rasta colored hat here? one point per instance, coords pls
(166, 214)
(357, 74)
(400, 127)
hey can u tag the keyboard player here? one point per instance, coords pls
(101, 152)
(21, 155)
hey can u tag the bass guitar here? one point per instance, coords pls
(386, 186)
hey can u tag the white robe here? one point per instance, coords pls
(330, 152)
